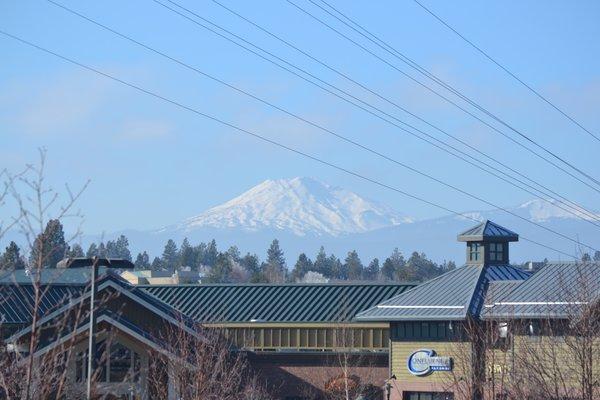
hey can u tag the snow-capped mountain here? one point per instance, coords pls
(539, 211)
(305, 214)
(299, 205)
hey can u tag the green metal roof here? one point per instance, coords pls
(275, 302)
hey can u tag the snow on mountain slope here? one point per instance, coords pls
(539, 211)
(300, 205)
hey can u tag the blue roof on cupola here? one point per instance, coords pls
(488, 230)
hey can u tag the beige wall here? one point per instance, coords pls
(437, 381)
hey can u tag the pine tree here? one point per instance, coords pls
(12, 259)
(354, 266)
(50, 246)
(122, 248)
(92, 251)
(142, 261)
(75, 251)
(448, 266)
(597, 256)
(338, 269)
(157, 264)
(322, 264)
(211, 254)
(586, 258)
(251, 264)
(302, 266)
(220, 272)
(170, 255)
(102, 250)
(234, 253)
(372, 271)
(419, 268)
(111, 249)
(187, 255)
(393, 265)
(274, 267)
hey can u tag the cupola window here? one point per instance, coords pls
(496, 251)
(475, 251)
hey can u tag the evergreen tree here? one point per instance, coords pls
(157, 264)
(302, 266)
(354, 266)
(448, 266)
(187, 255)
(337, 268)
(586, 257)
(234, 253)
(393, 265)
(211, 254)
(170, 255)
(12, 259)
(200, 254)
(75, 251)
(122, 248)
(274, 267)
(419, 268)
(111, 249)
(92, 251)
(251, 264)
(221, 271)
(102, 250)
(50, 246)
(322, 264)
(372, 271)
(597, 256)
(142, 261)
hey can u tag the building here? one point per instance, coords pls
(293, 333)
(162, 277)
(486, 330)
(464, 334)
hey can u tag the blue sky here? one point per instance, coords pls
(152, 164)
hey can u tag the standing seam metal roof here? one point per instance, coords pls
(275, 303)
(547, 291)
(488, 230)
(448, 297)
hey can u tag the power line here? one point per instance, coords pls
(505, 69)
(388, 48)
(474, 104)
(594, 217)
(575, 209)
(260, 137)
(339, 136)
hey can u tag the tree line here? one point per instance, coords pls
(230, 266)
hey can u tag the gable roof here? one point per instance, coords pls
(111, 280)
(223, 303)
(451, 296)
(17, 301)
(275, 302)
(558, 290)
(488, 230)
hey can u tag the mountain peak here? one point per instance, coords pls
(541, 210)
(301, 205)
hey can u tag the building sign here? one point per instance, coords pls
(424, 361)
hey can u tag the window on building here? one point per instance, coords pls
(430, 331)
(475, 251)
(122, 364)
(496, 251)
